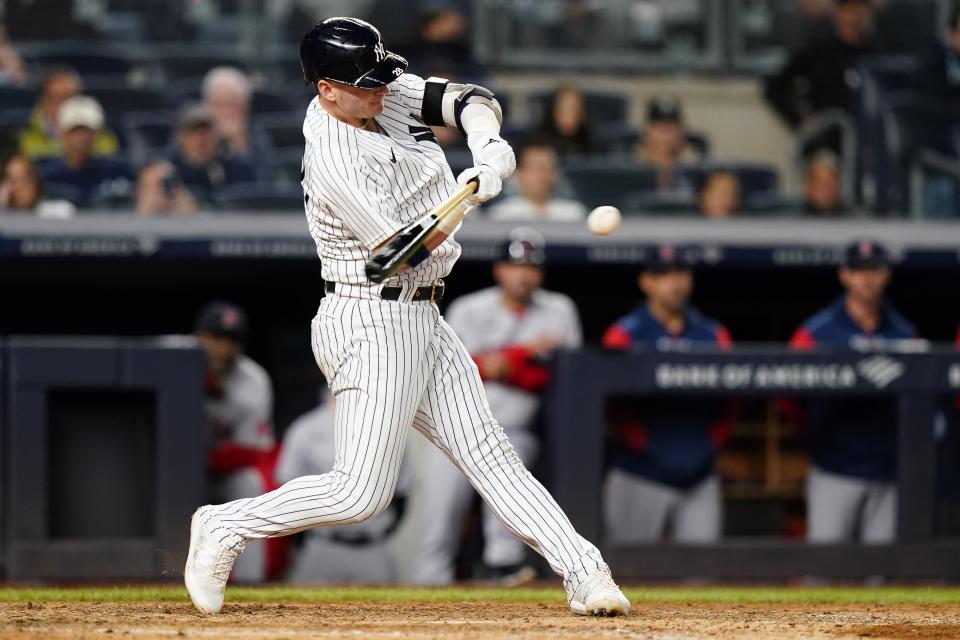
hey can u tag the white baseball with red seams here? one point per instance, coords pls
(604, 220)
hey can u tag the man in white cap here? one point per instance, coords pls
(78, 175)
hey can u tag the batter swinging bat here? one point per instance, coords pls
(386, 260)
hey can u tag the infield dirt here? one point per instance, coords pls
(481, 620)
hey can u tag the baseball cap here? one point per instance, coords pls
(224, 320)
(664, 108)
(80, 111)
(524, 246)
(194, 116)
(665, 258)
(866, 254)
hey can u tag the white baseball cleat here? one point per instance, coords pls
(598, 595)
(209, 562)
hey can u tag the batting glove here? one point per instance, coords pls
(490, 183)
(492, 150)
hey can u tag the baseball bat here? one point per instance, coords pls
(385, 261)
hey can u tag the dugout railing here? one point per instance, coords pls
(584, 380)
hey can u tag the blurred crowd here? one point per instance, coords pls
(177, 128)
(662, 477)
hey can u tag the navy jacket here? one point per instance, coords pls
(672, 441)
(854, 436)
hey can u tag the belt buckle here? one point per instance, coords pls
(433, 293)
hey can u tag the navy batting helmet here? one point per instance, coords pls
(348, 51)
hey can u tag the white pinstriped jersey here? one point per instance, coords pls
(361, 187)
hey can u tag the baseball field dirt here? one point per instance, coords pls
(676, 613)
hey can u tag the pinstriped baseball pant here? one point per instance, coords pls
(393, 365)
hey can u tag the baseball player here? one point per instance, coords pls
(371, 167)
(510, 330)
(851, 486)
(352, 553)
(239, 407)
(663, 476)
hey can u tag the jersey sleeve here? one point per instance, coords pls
(408, 91)
(350, 189)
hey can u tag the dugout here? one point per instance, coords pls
(102, 456)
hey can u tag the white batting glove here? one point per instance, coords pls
(490, 149)
(490, 183)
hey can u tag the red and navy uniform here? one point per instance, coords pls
(672, 441)
(854, 436)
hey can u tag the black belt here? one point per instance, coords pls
(432, 293)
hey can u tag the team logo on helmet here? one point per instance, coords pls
(379, 52)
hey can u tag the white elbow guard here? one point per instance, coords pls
(445, 103)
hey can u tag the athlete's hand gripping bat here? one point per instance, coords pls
(387, 260)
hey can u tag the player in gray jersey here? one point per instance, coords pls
(510, 330)
(371, 166)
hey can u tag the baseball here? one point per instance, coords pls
(604, 220)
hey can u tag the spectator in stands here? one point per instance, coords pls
(21, 191)
(242, 452)
(565, 124)
(198, 167)
(663, 145)
(942, 66)
(720, 195)
(511, 331)
(851, 487)
(356, 553)
(12, 70)
(81, 177)
(159, 190)
(537, 177)
(821, 188)
(443, 43)
(818, 77)
(663, 476)
(42, 137)
(227, 94)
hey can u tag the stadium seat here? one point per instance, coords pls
(601, 181)
(284, 129)
(647, 202)
(261, 197)
(17, 98)
(148, 134)
(772, 203)
(192, 63)
(602, 107)
(754, 178)
(276, 101)
(118, 101)
(85, 58)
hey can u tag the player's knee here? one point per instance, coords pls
(365, 507)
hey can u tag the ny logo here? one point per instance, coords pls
(379, 52)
